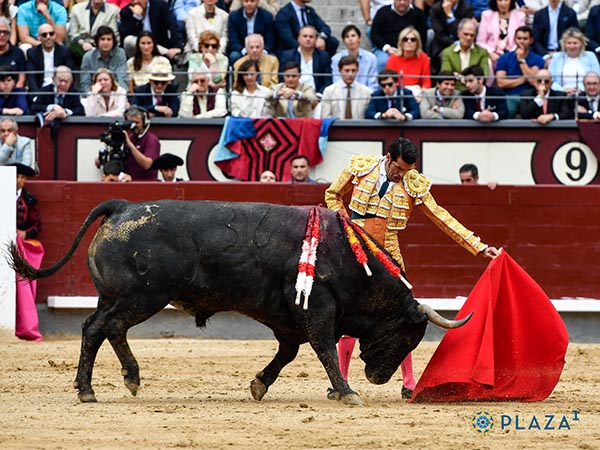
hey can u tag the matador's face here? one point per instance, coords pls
(396, 169)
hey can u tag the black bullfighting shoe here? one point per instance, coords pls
(406, 392)
(330, 393)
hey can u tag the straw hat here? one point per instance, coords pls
(162, 72)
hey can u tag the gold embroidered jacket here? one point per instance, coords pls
(361, 176)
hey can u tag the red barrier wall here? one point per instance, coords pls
(552, 231)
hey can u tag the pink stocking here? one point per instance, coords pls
(408, 376)
(345, 348)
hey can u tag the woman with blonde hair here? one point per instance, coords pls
(410, 62)
(106, 98)
(569, 66)
(210, 58)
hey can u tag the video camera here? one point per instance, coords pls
(113, 138)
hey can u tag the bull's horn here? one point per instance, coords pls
(437, 319)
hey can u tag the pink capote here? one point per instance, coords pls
(513, 348)
(27, 324)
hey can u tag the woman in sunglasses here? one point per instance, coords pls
(210, 58)
(141, 65)
(106, 98)
(411, 63)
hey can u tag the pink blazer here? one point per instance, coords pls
(489, 29)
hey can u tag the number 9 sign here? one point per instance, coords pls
(574, 164)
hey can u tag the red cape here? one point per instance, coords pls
(513, 348)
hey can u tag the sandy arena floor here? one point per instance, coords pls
(195, 394)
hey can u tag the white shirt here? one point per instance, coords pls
(48, 67)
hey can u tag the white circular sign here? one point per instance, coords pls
(574, 164)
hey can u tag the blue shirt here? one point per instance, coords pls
(509, 64)
(29, 16)
(367, 68)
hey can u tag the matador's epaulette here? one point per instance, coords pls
(416, 184)
(362, 164)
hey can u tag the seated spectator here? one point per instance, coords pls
(445, 17)
(292, 17)
(250, 99)
(347, 98)
(389, 22)
(442, 101)
(11, 55)
(588, 106)
(269, 65)
(167, 164)
(43, 59)
(249, 20)
(154, 16)
(209, 59)
(497, 28)
(200, 100)
(32, 14)
(8, 10)
(106, 55)
(84, 20)
(542, 104)
(13, 100)
(105, 98)
(293, 99)
(113, 172)
(546, 32)
(592, 30)
(158, 97)
(270, 5)
(207, 17)
(515, 71)
(484, 104)
(181, 10)
(457, 57)
(315, 63)
(58, 100)
(13, 147)
(391, 102)
(411, 63)
(146, 57)
(367, 62)
(569, 66)
(267, 176)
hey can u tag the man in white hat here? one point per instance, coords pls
(159, 97)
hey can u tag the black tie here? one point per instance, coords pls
(384, 187)
(60, 99)
(304, 17)
(593, 105)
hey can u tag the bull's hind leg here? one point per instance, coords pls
(285, 354)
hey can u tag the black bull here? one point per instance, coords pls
(205, 257)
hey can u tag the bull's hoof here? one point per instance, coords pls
(258, 389)
(87, 397)
(352, 399)
(131, 386)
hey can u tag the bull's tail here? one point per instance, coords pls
(25, 270)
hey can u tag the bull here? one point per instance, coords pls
(204, 257)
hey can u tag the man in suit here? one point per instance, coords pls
(14, 148)
(589, 104)
(267, 64)
(592, 30)
(206, 16)
(33, 13)
(58, 100)
(250, 19)
(457, 57)
(293, 99)
(39, 73)
(445, 16)
(295, 15)
(542, 104)
(390, 102)
(346, 98)
(547, 32)
(86, 18)
(158, 97)
(482, 103)
(442, 101)
(317, 74)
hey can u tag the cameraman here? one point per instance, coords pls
(142, 146)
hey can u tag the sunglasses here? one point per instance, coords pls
(4, 33)
(540, 80)
(200, 80)
(215, 46)
(159, 81)
(409, 39)
(47, 33)
(384, 85)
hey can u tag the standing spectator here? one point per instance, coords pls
(367, 61)
(106, 55)
(347, 98)
(484, 104)
(85, 19)
(516, 70)
(442, 101)
(589, 104)
(105, 98)
(11, 55)
(112, 172)
(200, 100)
(167, 164)
(270, 5)
(542, 104)
(58, 100)
(210, 59)
(250, 99)
(8, 10)
(13, 147)
(143, 147)
(445, 15)
(246, 21)
(300, 166)
(293, 17)
(36, 12)
(369, 8)
(207, 17)
(43, 59)
(141, 65)
(391, 102)
(549, 24)
(592, 30)
(293, 99)
(389, 22)
(158, 97)
(497, 28)
(411, 63)
(13, 100)
(469, 175)
(267, 176)
(268, 64)
(465, 53)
